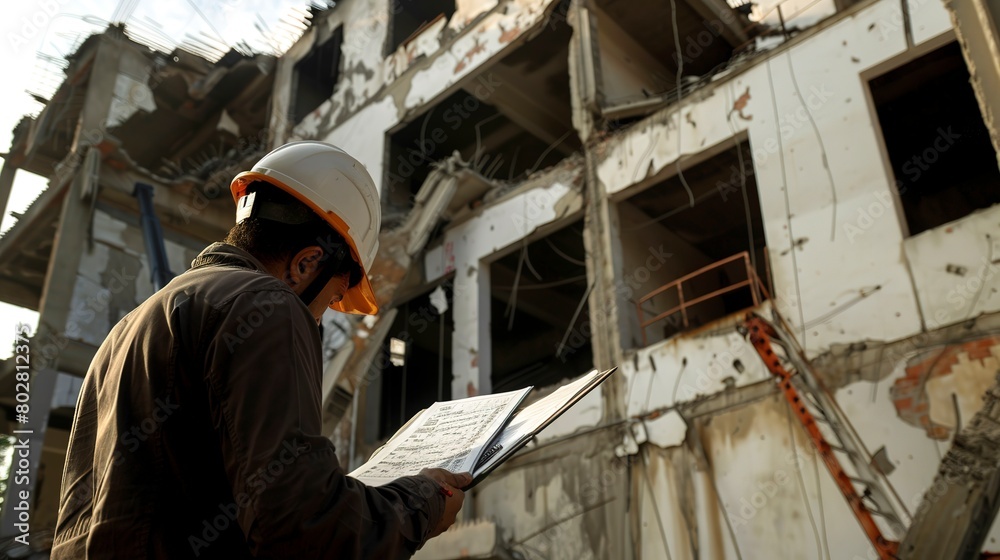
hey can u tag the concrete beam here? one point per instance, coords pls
(524, 109)
(6, 184)
(959, 507)
(975, 24)
(717, 11)
(18, 294)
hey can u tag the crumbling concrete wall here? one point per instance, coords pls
(818, 166)
(955, 268)
(375, 93)
(114, 277)
(548, 201)
(842, 273)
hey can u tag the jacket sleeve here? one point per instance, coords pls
(293, 499)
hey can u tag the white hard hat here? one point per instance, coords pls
(339, 189)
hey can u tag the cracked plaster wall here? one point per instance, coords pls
(113, 277)
(376, 94)
(750, 446)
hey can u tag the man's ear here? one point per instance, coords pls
(305, 265)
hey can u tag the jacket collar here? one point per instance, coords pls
(223, 254)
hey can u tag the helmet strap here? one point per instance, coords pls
(326, 273)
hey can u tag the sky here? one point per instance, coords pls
(34, 33)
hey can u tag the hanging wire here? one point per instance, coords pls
(788, 210)
(822, 147)
(564, 255)
(715, 489)
(680, 123)
(527, 261)
(743, 178)
(209, 23)
(982, 281)
(708, 194)
(822, 511)
(677, 383)
(802, 482)
(544, 286)
(656, 508)
(512, 302)
(572, 322)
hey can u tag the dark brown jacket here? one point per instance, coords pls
(197, 434)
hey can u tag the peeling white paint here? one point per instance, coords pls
(928, 19)
(130, 96)
(477, 44)
(667, 430)
(687, 368)
(363, 136)
(955, 268)
(806, 118)
(787, 154)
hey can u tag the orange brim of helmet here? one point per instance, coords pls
(359, 299)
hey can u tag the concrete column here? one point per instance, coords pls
(976, 25)
(597, 235)
(470, 347)
(6, 184)
(604, 311)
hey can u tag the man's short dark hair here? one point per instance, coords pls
(273, 242)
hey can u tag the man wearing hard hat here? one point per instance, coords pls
(197, 431)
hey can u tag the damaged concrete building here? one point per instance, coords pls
(778, 220)
(139, 146)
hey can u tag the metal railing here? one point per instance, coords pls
(757, 292)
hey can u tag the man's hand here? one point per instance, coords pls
(453, 483)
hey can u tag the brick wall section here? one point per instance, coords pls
(909, 393)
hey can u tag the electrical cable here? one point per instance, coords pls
(572, 322)
(841, 308)
(545, 286)
(715, 490)
(743, 181)
(479, 141)
(680, 123)
(551, 147)
(512, 302)
(788, 211)
(822, 146)
(982, 281)
(656, 508)
(802, 482)
(710, 193)
(677, 384)
(822, 512)
(423, 134)
(645, 154)
(563, 255)
(527, 261)
(222, 39)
